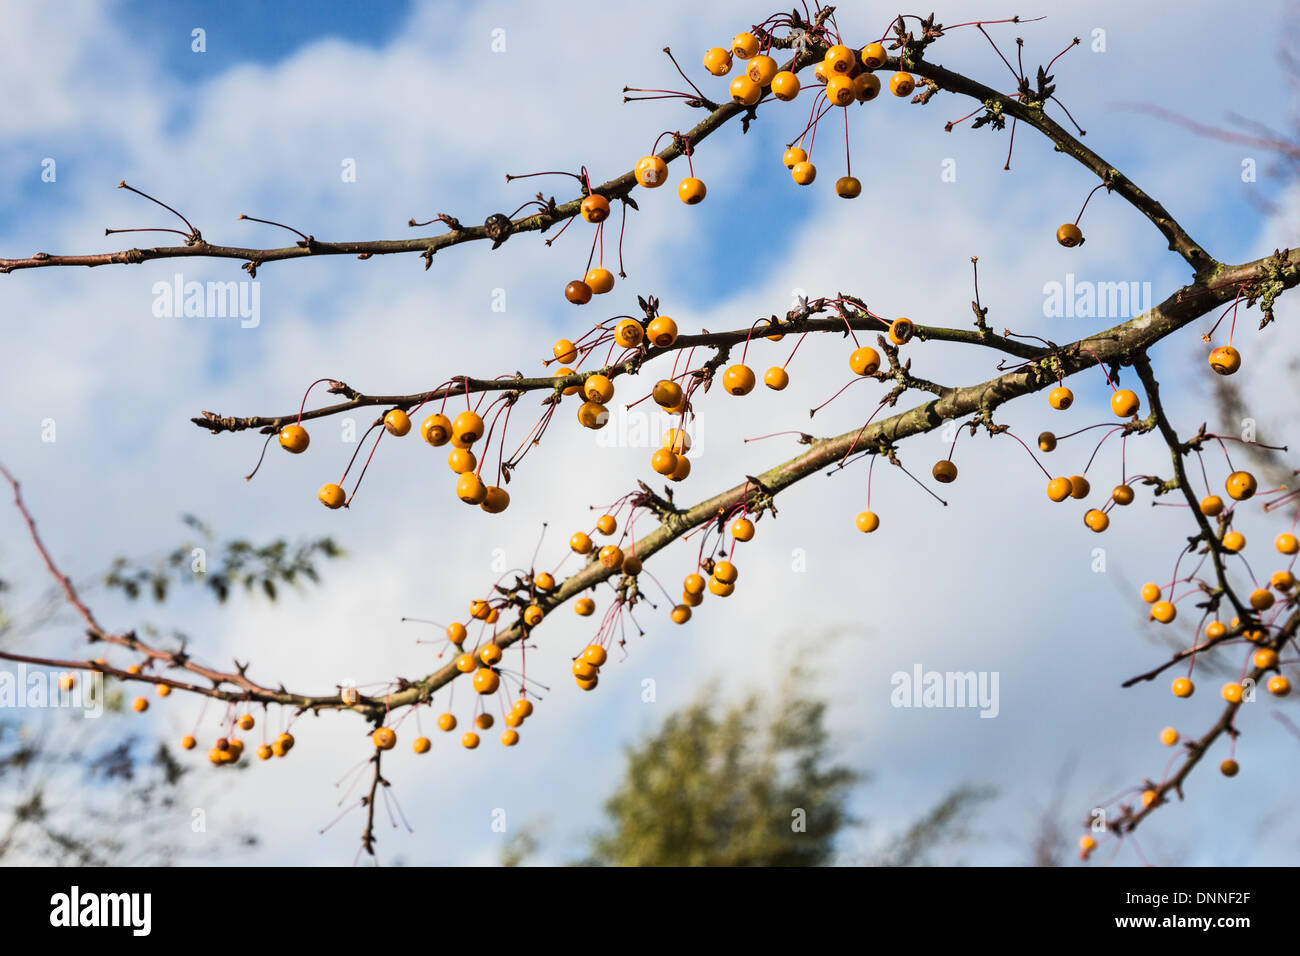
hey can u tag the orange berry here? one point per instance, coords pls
(681, 469)
(469, 740)
(744, 46)
(1148, 797)
(331, 496)
(866, 87)
(470, 489)
(794, 156)
(163, 690)
(839, 90)
(484, 721)
(1231, 692)
(663, 461)
(720, 589)
(681, 614)
(496, 500)
(1087, 844)
(1058, 489)
(397, 423)
(294, 439)
(1124, 402)
(584, 669)
(848, 187)
(606, 524)
(1287, 543)
(465, 663)
(486, 681)
(384, 738)
(1060, 398)
(594, 655)
(742, 529)
(420, 745)
(901, 331)
(839, 59)
(1182, 687)
(1150, 593)
(632, 565)
(593, 415)
(580, 542)
(1122, 495)
(628, 334)
(489, 654)
(1282, 581)
(1233, 541)
(651, 171)
(718, 61)
(578, 292)
(1164, 611)
(865, 361)
(587, 684)
(1169, 736)
(785, 85)
(509, 737)
(245, 721)
(1079, 487)
(1229, 768)
(595, 208)
(873, 56)
(944, 472)
(1225, 360)
(584, 606)
(1211, 506)
(902, 84)
(725, 572)
(1261, 599)
(598, 388)
(745, 91)
(1215, 630)
(694, 584)
(677, 440)
(667, 394)
(738, 380)
(1279, 686)
(140, 705)
(692, 600)
(611, 556)
(762, 69)
(1097, 520)
(1046, 442)
(601, 280)
(661, 332)
(467, 428)
(523, 707)
(447, 722)
(804, 173)
(1069, 235)
(868, 521)
(436, 430)
(565, 351)
(1241, 485)
(461, 461)
(691, 191)
(776, 378)
(1265, 658)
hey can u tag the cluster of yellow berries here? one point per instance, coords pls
(586, 666)
(847, 78)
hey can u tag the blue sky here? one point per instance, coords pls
(263, 121)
